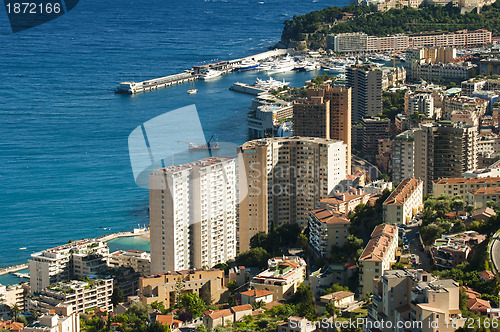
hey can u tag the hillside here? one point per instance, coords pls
(313, 27)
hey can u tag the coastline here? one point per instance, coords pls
(105, 238)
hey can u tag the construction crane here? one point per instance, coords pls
(394, 56)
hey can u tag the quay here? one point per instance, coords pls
(246, 88)
(14, 268)
(191, 75)
(109, 237)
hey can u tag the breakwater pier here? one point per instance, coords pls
(193, 74)
(14, 268)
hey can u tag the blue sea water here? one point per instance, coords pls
(64, 164)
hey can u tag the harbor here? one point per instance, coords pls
(206, 71)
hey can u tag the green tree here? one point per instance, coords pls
(331, 309)
(178, 288)
(15, 311)
(192, 303)
(303, 302)
(255, 257)
(201, 328)
(335, 288)
(117, 296)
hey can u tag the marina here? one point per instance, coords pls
(260, 86)
(204, 72)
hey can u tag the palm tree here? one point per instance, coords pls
(15, 311)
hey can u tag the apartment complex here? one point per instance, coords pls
(326, 229)
(403, 150)
(193, 215)
(163, 287)
(379, 254)
(77, 294)
(282, 179)
(13, 295)
(345, 202)
(479, 198)
(139, 261)
(326, 113)
(374, 129)
(443, 149)
(404, 202)
(366, 86)
(361, 42)
(282, 278)
(72, 260)
(461, 186)
(438, 72)
(415, 299)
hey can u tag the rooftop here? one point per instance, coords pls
(327, 217)
(257, 293)
(467, 180)
(199, 163)
(403, 191)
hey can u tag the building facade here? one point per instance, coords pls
(283, 276)
(327, 230)
(444, 149)
(404, 202)
(193, 215)
(366, 85)
(72, 260)
(282, 179)
(79, 295)
(379, 254)
(164, 287)
(403, 156)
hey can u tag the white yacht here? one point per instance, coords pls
(287, 64)
(210, 74)
(247, 65)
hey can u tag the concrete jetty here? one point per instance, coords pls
(14, 268)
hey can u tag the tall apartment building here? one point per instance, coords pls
(282, 179)
(415, 299)
(374, 129)
(366, 85)
(327, 229)
(379, 254)
(72, 260)
(79, 295)
(403, 157)
(326, 113)
(444, 149)
(404, 202)
(163, 287)
(422, 103)
(193, 215)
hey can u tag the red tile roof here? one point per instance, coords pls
(257, 293)
(220, 313)
(243, 307)
(487, 275)
(403, 191)
(327, 217)
(477, 304)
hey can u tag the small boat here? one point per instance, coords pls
(192, 91)
(23, 248)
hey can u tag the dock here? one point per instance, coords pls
(246, 88)
(162, 82)
(14, 268)
(193, 74)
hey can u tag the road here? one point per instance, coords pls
(495, 252)
(423, 261)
